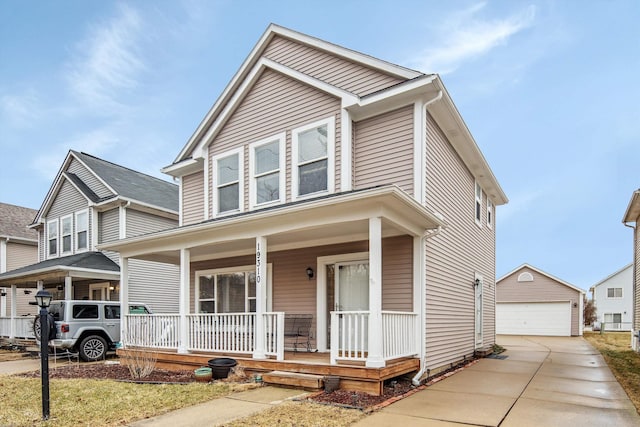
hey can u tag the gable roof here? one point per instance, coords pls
(626, 267)
(537, 270)
(414, 85)
(14, 221)
(123, 184)
(633, 209)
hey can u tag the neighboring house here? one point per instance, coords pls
(532, 302)
(330, 183)
(93, 201)
(18, 247)
(613, 300)
(632, 215)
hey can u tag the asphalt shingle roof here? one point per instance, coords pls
(14, 221)
(89, 260)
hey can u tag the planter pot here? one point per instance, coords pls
(203, 374)
(221, 366)
(331, 383)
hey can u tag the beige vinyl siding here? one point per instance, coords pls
(22, 302)
(340, 72)
(19, 255)
(41, 243)
(143, 223)
(636, 282)
(454, 256)
(542, 289)
(383, 148)
(156, 284)
(275, 104)
(192, 198)
(67, 201)
(108, 225)
(89, 178)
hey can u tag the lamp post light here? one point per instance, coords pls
(43, 299)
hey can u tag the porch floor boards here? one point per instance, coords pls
(353, 375)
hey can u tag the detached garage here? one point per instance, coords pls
(532, 302)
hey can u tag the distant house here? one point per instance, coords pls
(613, 298)
(632, 216)
(93, 201)
(18, 247)
(328, 183)
(532, 302)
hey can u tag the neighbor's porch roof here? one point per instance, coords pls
(330, 219)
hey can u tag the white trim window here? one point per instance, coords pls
(489, 213)
(230, 290)
(613, 317)
(313, 159)
(52, 238)
(614, 292)
(66, 225)
(267, 168)
(478, 204)
(82, 230)
(228, 182)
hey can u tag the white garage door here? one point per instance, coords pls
(533, 318)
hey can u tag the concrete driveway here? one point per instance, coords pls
(543, 381)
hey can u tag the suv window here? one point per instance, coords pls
(82, 311)
(111, 311)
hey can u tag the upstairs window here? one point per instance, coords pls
(67, 233)
(52, 238)
(489, 213)
(228, 182)
(614, 292)
(478, 204)
(266, 163)
(82, 227)
(313, 158)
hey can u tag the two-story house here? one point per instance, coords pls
(327, 182)
(613, 298)
(18, 247)
(632, 216)
(93, 201)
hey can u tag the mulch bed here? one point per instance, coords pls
(113, 372)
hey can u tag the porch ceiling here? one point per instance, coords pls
(339, 218)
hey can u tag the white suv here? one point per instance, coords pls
(88, 327)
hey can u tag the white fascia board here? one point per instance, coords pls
(23, 240)
(95, 174)
(184, 167)
(52, 191)
(633, 210)
(149, 207)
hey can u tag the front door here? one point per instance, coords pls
(352, 294)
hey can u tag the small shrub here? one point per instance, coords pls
(140, 363)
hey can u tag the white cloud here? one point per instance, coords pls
(19, 110)
(108, 60)
(463, 36)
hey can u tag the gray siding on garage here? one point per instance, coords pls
(542, 289)
(156, 284)
(143, 223)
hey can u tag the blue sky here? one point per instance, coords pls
(549, 89)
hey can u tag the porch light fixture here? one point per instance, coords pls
(43, 298)
(27, 291)
(4, 294)
(60, 287)
(310, 273)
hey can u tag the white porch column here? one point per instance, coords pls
(39, 285)
(3, 302)
(375, 358)
(259, 352)
(14, 310)
(185, 273)
(124, 299)
(68, 288)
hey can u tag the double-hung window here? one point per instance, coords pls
(52, 238)
(226, 291)
(614, 292)
(266, 165)
(82, 229)
(228, 181)
(478, 205)
(67, 233)
(313, 153)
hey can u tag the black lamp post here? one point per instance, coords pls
(43, 299)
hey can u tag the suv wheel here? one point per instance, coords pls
(37, 327)
(93, 348)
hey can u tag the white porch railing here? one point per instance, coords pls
(219, 333)
(23, 327)
(350, 330)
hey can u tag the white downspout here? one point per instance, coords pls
(634, 330)
(423, 363)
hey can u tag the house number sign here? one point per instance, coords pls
(258, 264)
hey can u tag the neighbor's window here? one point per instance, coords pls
(82, 227)
(266, 163)
(613, 317)
(52, 237)
(478, 204)
(67, 230)
(489, 213)
(226, 292)
(614, 292)
(313, 158)
(228, 182)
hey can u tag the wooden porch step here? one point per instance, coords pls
(294, 379)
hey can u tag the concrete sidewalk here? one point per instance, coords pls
(543, 381)
(19, 366)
